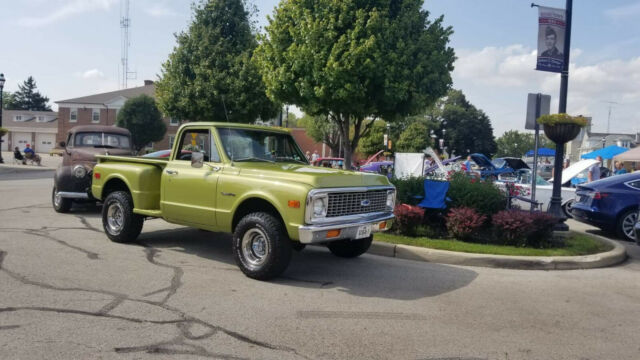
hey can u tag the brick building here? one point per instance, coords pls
(102, 109)
(36, 128)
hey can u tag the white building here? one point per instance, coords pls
(588, 141)
(37, 128)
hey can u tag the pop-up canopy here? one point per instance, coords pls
(631, 155)
(542, 152)
(606, 153)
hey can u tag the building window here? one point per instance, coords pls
(73, 117)
(95, 116)
(40, 119)
(174, 122)
(149, 146)
(18, 118)
(172, 139)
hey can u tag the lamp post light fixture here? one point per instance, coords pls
(2, 80)
(604, 141)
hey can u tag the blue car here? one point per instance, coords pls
(610, 204)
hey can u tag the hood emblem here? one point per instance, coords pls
(365, 202)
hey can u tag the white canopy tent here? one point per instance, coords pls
(631, 155)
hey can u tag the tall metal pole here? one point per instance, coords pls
(555, 206)
(1, 107)
(534, 176)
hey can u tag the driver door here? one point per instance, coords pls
(189, 193)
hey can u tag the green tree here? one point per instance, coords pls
(516, 143)
(210, 75)
(355, 60)
(28, 98)
(467, 128)
(374, 140)
(321, 130)
(141, 116)
(8, 101)
(414, 138)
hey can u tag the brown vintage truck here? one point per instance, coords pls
(72, 180)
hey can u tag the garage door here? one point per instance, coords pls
(45, 142)
(5, 142)
(20, 139)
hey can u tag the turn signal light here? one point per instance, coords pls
(333, 233)
(96, 175)
(294, 204)
(383, 225)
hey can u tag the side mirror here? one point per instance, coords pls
(197, 159)
(62, 144)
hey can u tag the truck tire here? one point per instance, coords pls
(118, 220)
(261, 246)
(60, 204)
(350, 248)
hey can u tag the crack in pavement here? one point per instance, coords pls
(45, 234)
(87, 225)
(37, 206)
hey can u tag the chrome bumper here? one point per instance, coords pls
(310, 234)
(73, 195)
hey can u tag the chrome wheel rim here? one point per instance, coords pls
(115, 218)
(57, 199)
(255, 248)
(628, 223)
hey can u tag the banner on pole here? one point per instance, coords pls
(551, 36)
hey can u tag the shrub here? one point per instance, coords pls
(464, 221)
(483, 196)
(408, 218)
(554, 119)
(408, 188)
(541, 233)
(511, 227)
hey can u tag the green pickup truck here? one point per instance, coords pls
(251, 181)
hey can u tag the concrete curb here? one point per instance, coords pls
(609, 258)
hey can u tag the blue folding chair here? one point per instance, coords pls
(435, 194)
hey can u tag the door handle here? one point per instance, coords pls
(172, 172)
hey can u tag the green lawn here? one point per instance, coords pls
(577, 244)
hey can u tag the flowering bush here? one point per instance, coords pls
(464, 221)
(408, 218)
(483, 196)
(542, 229)
(511, 227)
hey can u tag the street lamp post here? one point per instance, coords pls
(2, 79)
(604, 141)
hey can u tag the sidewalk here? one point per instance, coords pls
(48, 161)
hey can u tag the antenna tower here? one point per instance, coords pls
(125, 23)
(611, 103)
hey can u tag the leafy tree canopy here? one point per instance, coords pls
(467, 128)
(374, 140)
(321, 130)
(414, 138)
(355, 60)
(516, 143)
(28, 98)
(8, 101)
(210, 73)
(140, 115)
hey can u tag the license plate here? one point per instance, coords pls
(363, 231)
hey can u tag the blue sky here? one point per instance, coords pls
(72, 48)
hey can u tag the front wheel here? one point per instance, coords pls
(626, 223)
(261, 246)
(118, 220)
(350, 248)
(60, 204)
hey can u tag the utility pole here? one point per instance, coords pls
(125, 23)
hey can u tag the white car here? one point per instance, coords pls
(544, 189)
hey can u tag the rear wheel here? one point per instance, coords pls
(350, 248)
(626, 222)
(567, 209)
(261, 246)
(118, 220)
(60, 204)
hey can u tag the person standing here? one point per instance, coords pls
(467, 164)
(619, 168)
(315, 156)
(594, 170)
(308, 155)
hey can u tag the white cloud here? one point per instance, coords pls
(622, 12)
(93, 74)
(495, 78)
(160, 10)
(69, 8)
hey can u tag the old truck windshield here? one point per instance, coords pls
(100, 139)
(260, 146)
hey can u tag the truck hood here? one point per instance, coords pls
(314, 176)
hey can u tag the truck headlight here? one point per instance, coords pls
(391, 199)
(79, 171)
(320, 206)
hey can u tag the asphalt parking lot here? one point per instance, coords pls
(67, 292)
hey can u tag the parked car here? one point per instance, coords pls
(330, 162)
(488, 169)
(251, 181)
(610, 204)
(522, 179)
(379, 167)
(637, 229)
(72, 180)
(545, 171)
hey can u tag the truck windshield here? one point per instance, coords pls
(100, 139)
(260, 146)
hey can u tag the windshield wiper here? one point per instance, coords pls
(251, 158)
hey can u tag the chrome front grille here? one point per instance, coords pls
(354, 203)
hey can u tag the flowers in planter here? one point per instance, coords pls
(556, 119)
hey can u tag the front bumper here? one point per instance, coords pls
(311, 234)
